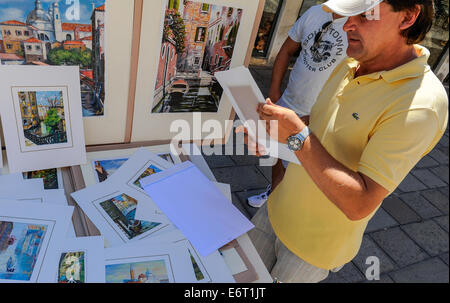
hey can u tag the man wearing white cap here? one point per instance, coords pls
(379, 113)
(322, 43)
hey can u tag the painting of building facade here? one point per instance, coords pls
(20, 245)
(122, 211)
(198, 40)
(35, 32)
(43, 117)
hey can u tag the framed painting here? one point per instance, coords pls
(42, 113)
(89, 34)
(177, 63)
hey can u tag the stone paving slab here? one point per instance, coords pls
(430, 271)
(380, 221)
(428, 178)
(399, 246)
(383, 279)
(429, 235)
(411, 183)
(438, 199)
(439, 156)
(368, 249)
(236, 202)
(444, 257)
(348, 274)
(420, 205)
(443, 222)
(399, 210)
(427, 161)
(442, 172)
(241, 177)
(219, 161)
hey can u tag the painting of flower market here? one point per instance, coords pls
(198, 40)
(53, 32)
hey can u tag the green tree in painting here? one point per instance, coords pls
(60, 56)
(52, 120)
(175, 29)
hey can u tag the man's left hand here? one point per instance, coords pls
(289, 123)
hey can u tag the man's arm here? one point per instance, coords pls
(355, 194)
(281, 64)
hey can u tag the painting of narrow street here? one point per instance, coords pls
(53, 32)
(198, 40)
(43, 117)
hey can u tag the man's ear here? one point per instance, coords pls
(410, 17)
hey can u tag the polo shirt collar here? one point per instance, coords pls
(411, 69)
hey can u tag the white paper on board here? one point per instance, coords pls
(245, 95)
(202, 213)
(42, 224)
(33, 145)
(111, 206)
(80, 260)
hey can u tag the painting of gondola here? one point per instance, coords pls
(62, 33)
(198, 40)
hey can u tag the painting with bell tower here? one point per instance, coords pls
(58, 32)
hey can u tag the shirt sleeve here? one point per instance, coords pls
(397, 144)
(296, 31)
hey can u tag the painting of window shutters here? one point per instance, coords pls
(198, 40)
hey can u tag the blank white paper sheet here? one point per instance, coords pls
(195, 205)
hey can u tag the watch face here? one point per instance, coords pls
(294, 143)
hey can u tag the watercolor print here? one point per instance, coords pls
(20, 246)
(43, 117)
(50, 177)
(105, 168)
(148, 172)
(53, 32)
(198, 40)
(71, 267)
(122, 210)
(167, 157)
(157, 270)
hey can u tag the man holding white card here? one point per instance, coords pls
(380, 112)
(322, 43)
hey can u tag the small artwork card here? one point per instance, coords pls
(149, 263)
(78, 260)
(112, 208)
(52, 177)
(29, 232)
(103, 164)
(41, 111)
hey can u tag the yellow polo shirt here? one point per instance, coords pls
(379, 124)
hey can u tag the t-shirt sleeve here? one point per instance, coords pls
(397, 144)
(296, 31)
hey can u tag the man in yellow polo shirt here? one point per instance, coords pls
(379, 113)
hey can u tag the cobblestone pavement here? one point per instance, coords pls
(409, 233)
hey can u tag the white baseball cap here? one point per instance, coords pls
(349, 8)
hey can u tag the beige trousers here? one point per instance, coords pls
(282, 264)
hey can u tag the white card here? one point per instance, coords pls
(111, 206)
(77, 260)
(202, 213)
(41, 109)
(29, 233)
(245, 95)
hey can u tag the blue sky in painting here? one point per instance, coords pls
(42, 97)
(19, 9)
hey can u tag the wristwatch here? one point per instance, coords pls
(295, 142)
